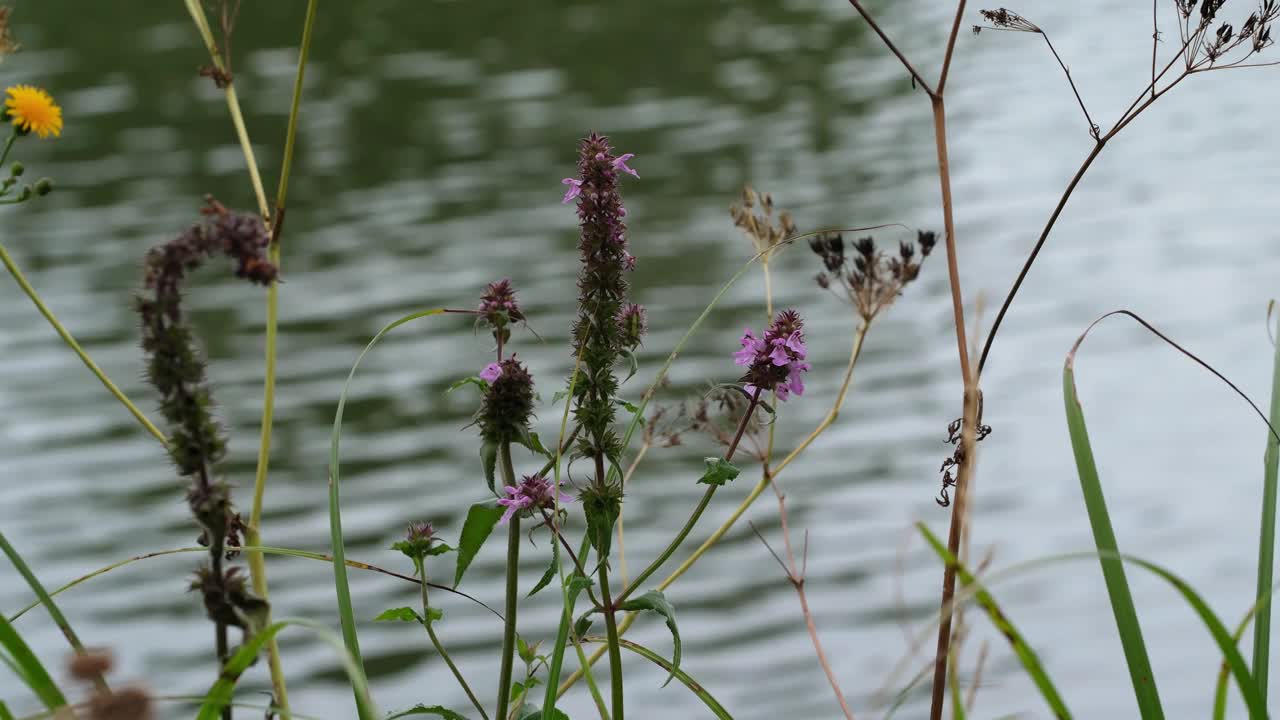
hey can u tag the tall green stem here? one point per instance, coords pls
(257, 563)
(615, 648)
(1267, 540)
(513, 589)
(435, 641)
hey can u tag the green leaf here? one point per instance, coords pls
(473, 380)
(346, 613)
(1030, 661)
(547, 576)
(31, 671)
(655, 601)
(475, 530)
(523, 649)
(438, 549)
(694, 686)
(583, 624)
(403, 614)
(1267, 535)
(633, 364)
(719, 471)
(434, 614)
(420, 709)
(1104, 538)
(558, 396)
(534, 443)
(601, 510)
(489, 459)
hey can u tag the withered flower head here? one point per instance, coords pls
(130, 703)
(761, 227)
(871, 279)
(90, 664)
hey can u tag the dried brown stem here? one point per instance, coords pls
(795, 576)
(894, 48)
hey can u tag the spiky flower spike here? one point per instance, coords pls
(599, 335)
(177, 370)
(508, 402)
(775, 361)
(499, 310)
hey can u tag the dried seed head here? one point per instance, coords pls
(90, 664)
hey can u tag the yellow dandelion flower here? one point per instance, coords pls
(32, 110)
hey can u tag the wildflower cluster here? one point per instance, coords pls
(177, 370)
(871, 279)
(760, 227)
(420, 541)
(776, 360)
(507, 404)
(535, 492)
(606, 326)
(499, 310)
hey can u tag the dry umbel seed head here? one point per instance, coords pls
(90, 664)
(871, 278)
(761, 227)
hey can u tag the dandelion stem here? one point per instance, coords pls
(62, 331)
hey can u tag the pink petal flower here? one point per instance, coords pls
(491, 372)
(779, 354)
(575, 189)
(795, 344)
(620, 163)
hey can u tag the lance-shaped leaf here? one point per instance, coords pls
(475, 530)
(655, 601)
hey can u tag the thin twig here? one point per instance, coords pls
(795, 576)
(951, 46)
(1094, 130)
(1155, 38)
(894, 48)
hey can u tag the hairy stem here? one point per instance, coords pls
(512, 591)
(615, 649)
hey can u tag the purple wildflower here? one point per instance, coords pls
(620, 163)
(776, 360)
(491, 372)
(575, 189)
(535, 492)
(498, 303)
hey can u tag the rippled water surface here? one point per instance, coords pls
(431, 146)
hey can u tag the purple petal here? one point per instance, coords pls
(575, 189)
(506, 516)
(491, 372)
(795, 343)
(620, 163)
(779, 356)
(628, 260)
(745, 356)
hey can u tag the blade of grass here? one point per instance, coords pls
(266, 550)
(1267, 536)
(345, 612)
(1104, 538)
(46, 600)
(222, 691)
(1030, 661)
(29, 668)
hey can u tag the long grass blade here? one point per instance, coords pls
(222, 691)
(345, 612)
(1030, 661)
(28, 667)
(1267, 538)
(1104, 538)
(43, 597)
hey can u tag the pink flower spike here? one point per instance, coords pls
(620, 163)
(575, 189)
(491, 372)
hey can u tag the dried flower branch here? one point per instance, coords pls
(871, 278)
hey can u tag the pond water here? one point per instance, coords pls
(431, 147)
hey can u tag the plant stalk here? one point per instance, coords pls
(615, 649)
(439, 646)
(1267, 540)
(512, 591)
